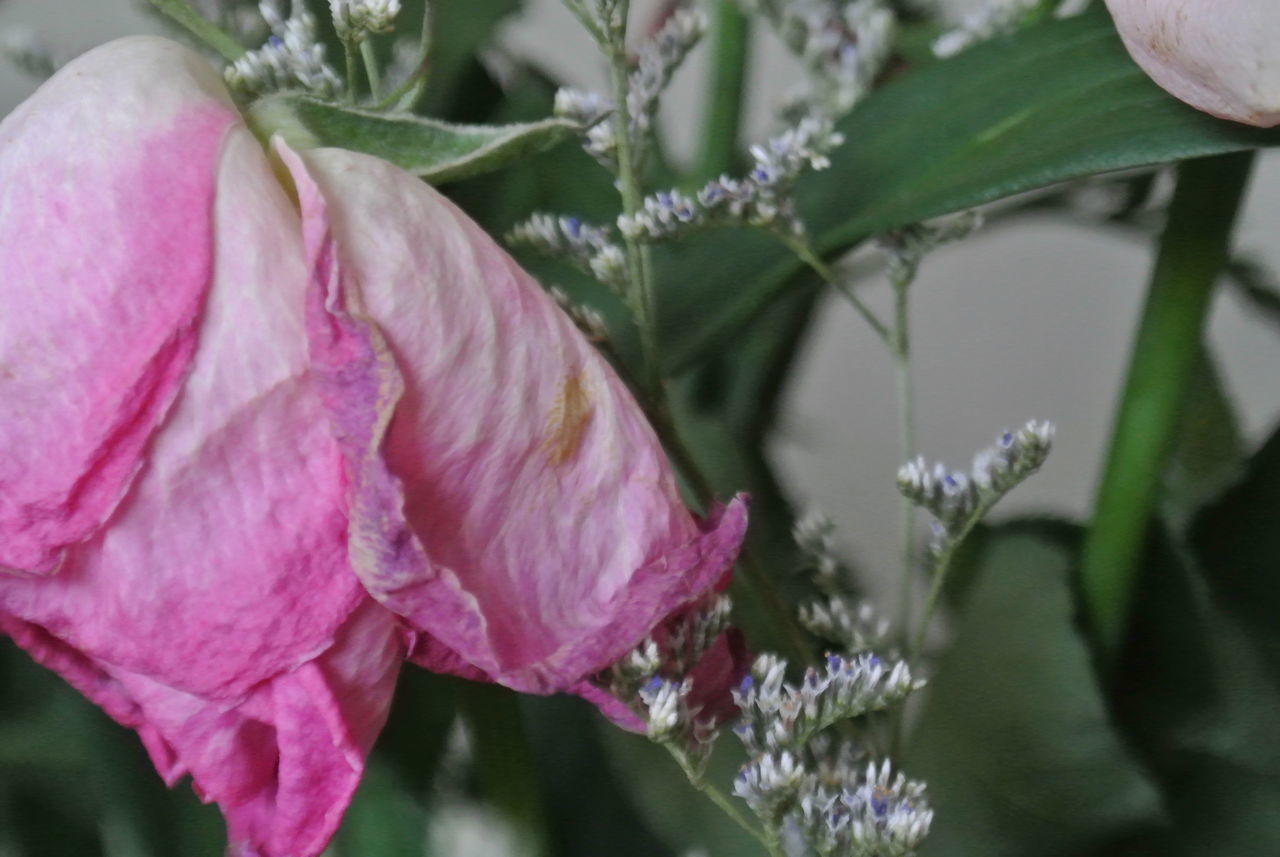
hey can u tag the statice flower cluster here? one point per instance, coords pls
(292, 58)
(843, 45)
(958, 500)
(837, 616)
(356, 20)
(658, 60)
(906, 248)
(763, 198)
(996, 18)
(586, 247)
(798, 781)
(653, 679)
(871, 811)
(238, 17)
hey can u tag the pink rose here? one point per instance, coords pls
(270, 425)
(1219, 56)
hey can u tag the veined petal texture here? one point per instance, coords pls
(213, 608)
(106, 193)
(507, 495)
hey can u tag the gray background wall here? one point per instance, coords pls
(1017, 322)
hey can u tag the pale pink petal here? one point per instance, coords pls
(1219, 56)
(216, 612)
(226, 563)
(507, 495)
(106, 192)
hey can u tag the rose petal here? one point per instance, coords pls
(284, 761)
(105, 258)
(1219, 57)
(507, 495)
(217, 612)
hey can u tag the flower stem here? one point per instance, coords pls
(805, 252)
(406, 95)
(941, 567)
(349, 52)
(371, 68)
(727, 89)
(698, 780)
(639, 270)
(906, 449)
(202, 28)
(1192, 253)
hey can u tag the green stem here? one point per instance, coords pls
(1193, 251)
(641, 296)
(202, 28)
(371, 68)
(727, 89)
(721, 800)
(406, 95)
(906, 449)
(504, 761)
(941, 567)
(801, 248)
(350, 53)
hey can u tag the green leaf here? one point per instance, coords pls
(437, 151)
(1015, 741)
(1209, 449)
(1199, 702)
(1237, 542)
(1058, 101)
(588, 802)
(686, 819)
(460, 29)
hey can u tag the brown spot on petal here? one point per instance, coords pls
(568, 420)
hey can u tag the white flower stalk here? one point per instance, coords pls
(658, 60)
(777, 715)
(292, 58)
(906, 248)
(762, 198)
(587, 319)
(850, 624)
(866, 812)
(957, 500)
(843, 45)
(356, 20)
(996, 18)
(586, 247)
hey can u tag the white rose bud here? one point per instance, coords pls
(1219, 56)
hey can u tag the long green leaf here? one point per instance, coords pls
(1015, 740)
(1058, 101)
(435, 150)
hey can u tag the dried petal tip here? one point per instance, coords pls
(1218, 57)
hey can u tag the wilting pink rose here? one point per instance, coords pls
(1219, 56)
(238, 398)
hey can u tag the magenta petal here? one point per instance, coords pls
(507, 495)
(107, 175)
(282, 762)
(215, 611)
